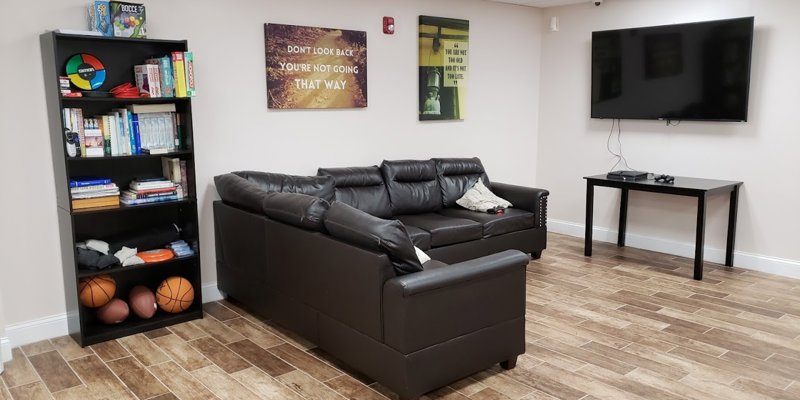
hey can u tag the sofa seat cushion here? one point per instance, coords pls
(444, 230)
(420, 237)
(434, 264)
(512, 220)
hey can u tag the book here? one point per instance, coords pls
(142, 77)
(128, 19)
(100, 18)
(89, 188)
(188, 63)
(96, 194)
(179, 73)
(95, 202)
(131, 202)
(80, 182)
(184, 178)
(105, 127)
(144, 184)
(165, 74)
(93, 138)
(171, 168)
(113, 134)
(130, 194)
(151, 108)
(137, 140)
(154, 76)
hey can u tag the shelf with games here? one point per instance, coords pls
(125, 174)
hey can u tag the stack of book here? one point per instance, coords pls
(151, 190)
(93, 192)
(169, 76)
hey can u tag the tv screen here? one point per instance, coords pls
(695, 71)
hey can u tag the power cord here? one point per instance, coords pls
(618, 156)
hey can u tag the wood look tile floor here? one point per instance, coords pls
(624, 324)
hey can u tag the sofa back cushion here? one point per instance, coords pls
(457, 175)
(412, 185)
(352, 225)
(296, 209)
(238, 191)
(319, 186)
(360, 187)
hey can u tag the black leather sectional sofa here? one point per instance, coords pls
(326, 257)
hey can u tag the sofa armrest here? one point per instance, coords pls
(433, 306)
(525, 198)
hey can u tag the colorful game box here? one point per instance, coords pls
(100, 18)
(128, 19)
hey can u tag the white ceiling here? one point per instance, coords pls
(541, 3)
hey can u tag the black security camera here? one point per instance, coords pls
(597, 3)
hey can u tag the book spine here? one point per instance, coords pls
(106, 129)
(167, 80)
(171, 197)
(188, 62)
(137, 139)
(184, 179)
(178, 73)
(112, 127)
(142, 82)
(81, 133)
(75, 183)
(81, 189)
(154, 79)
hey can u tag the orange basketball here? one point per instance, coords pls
(175, 294)
(96, 291)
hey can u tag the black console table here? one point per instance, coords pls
(693, 187)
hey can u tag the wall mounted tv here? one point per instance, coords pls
(696, 71)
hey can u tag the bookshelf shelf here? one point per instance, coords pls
(113, 158)
(124, 208)
(85, 273)
(138, 100)
(119, 55)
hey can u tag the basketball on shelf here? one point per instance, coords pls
(142, 302)
(97, 291)
(114, 312)
(175, 294)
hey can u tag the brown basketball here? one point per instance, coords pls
(175, 294)
(97, 291)
(114, 312)
(142, 302)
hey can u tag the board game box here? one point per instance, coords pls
(100, 18)
(128, 19)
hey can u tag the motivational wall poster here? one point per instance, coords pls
(443, 67)
(310, 67)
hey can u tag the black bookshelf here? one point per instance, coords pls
(118, 55)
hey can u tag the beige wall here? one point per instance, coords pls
(234, 130)
(763, 153)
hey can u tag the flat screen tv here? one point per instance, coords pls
(697, 71)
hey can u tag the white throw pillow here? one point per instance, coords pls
(480, 198)
(423, 258)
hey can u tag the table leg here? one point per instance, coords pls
(623, 217)
(732, 225)
(587, 247)
(698, 245)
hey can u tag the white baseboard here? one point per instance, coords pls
(5, 351)
(53, 326)
(755, 262)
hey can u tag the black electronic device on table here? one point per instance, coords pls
(663, 178)
(627, 175)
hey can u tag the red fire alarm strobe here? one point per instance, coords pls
(388, 25)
